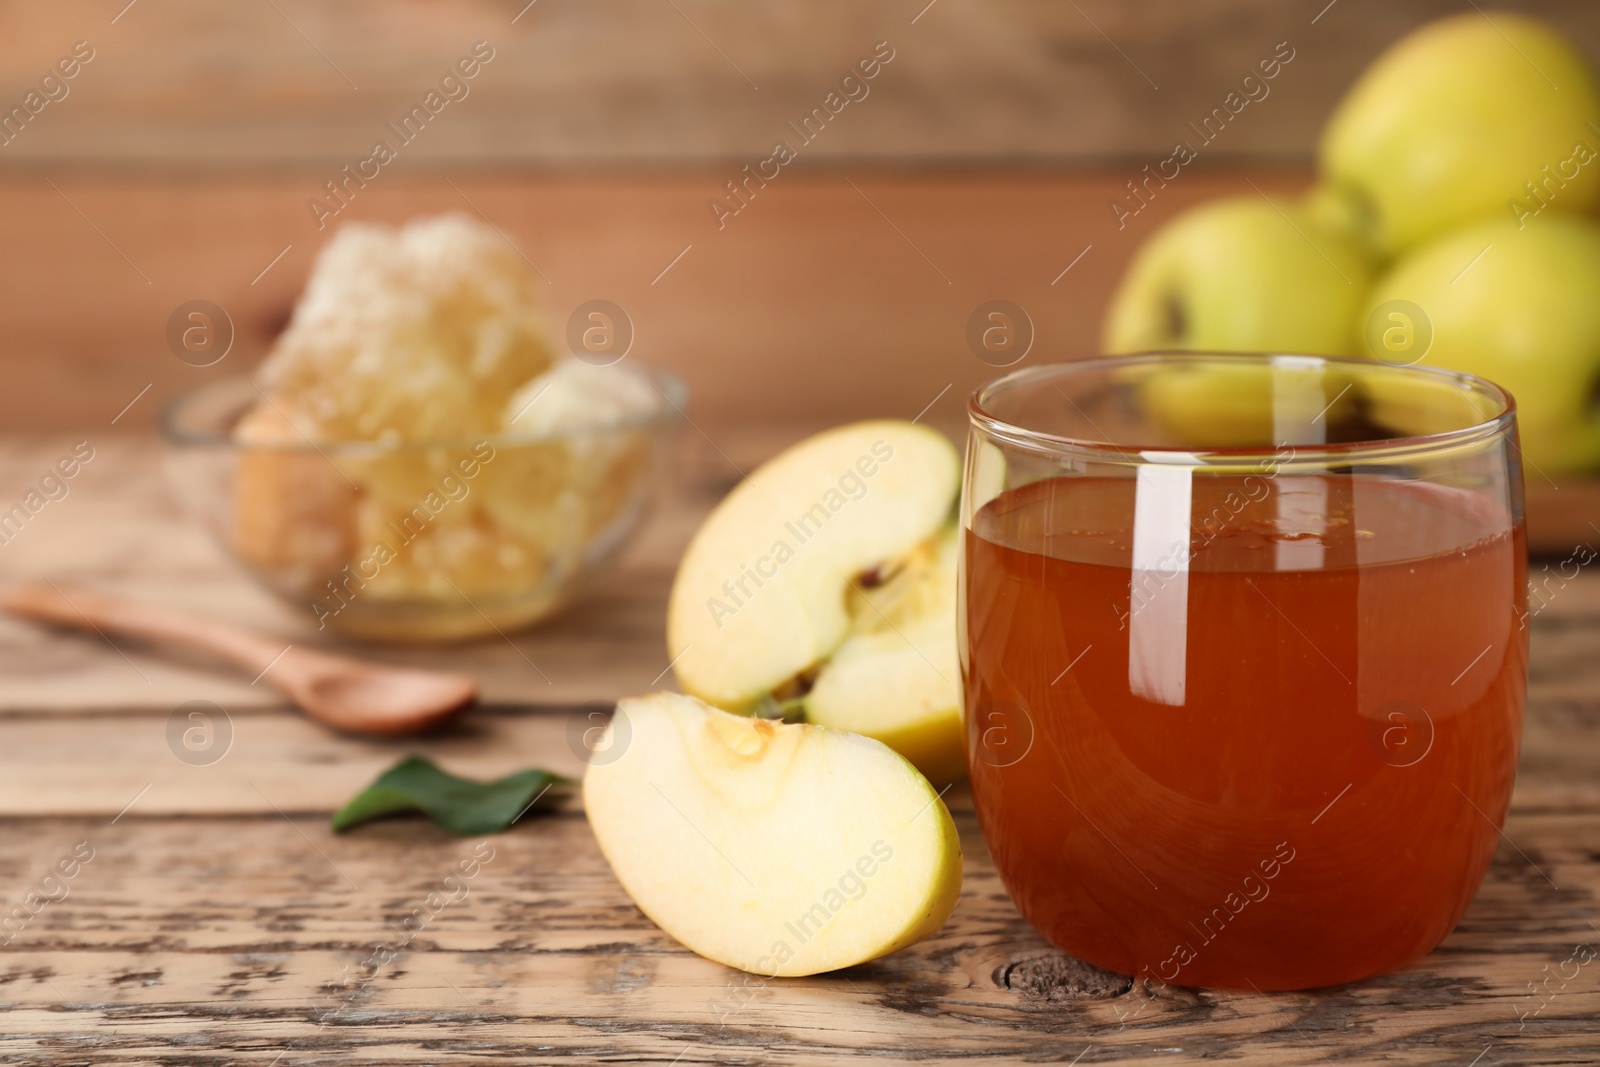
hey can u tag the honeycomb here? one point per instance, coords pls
(414, 334)
(497, 471)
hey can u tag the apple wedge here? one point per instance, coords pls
(791, 579)
(778, 849)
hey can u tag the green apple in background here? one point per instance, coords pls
(1241, 275)
(1453, 122)
(1517, 306)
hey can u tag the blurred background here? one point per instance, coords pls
(980, 164)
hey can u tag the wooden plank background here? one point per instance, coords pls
(830, 297)
(180, 165)
(181, 84)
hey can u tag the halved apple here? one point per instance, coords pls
(778, 849)
(776, 591)
(894, 677)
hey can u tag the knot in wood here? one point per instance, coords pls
(1058, 976)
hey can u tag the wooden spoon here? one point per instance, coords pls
(347, 694)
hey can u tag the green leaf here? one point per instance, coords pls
(459, 805)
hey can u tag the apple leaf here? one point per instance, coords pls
(459, 805)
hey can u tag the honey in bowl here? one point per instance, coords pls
(418, 465)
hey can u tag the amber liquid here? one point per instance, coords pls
(1276, 752)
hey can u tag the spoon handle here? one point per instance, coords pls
(84, 610)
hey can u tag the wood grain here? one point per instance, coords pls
(830, 296)
(186, 84)
(175, 945)
(220, 921)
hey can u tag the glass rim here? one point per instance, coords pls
(673, 393)
(1133, 452)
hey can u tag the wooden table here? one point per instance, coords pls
(220, 921)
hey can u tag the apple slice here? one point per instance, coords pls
(778, 849)
(895, 676)
(777, 584)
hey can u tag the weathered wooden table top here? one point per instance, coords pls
(218, 920)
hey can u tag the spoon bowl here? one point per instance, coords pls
(368, 699)
(348, 694)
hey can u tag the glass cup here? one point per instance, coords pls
(1244, 655)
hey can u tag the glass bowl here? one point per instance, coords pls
(418, 541)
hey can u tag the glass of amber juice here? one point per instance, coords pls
(1244, 657)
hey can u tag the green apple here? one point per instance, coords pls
(1241, 275)
(1417, 407)
(795, 569)
(1289, 400)
(1516, 305)
(777, 849)
(1454, 121)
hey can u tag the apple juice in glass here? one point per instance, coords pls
(1244, 658)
